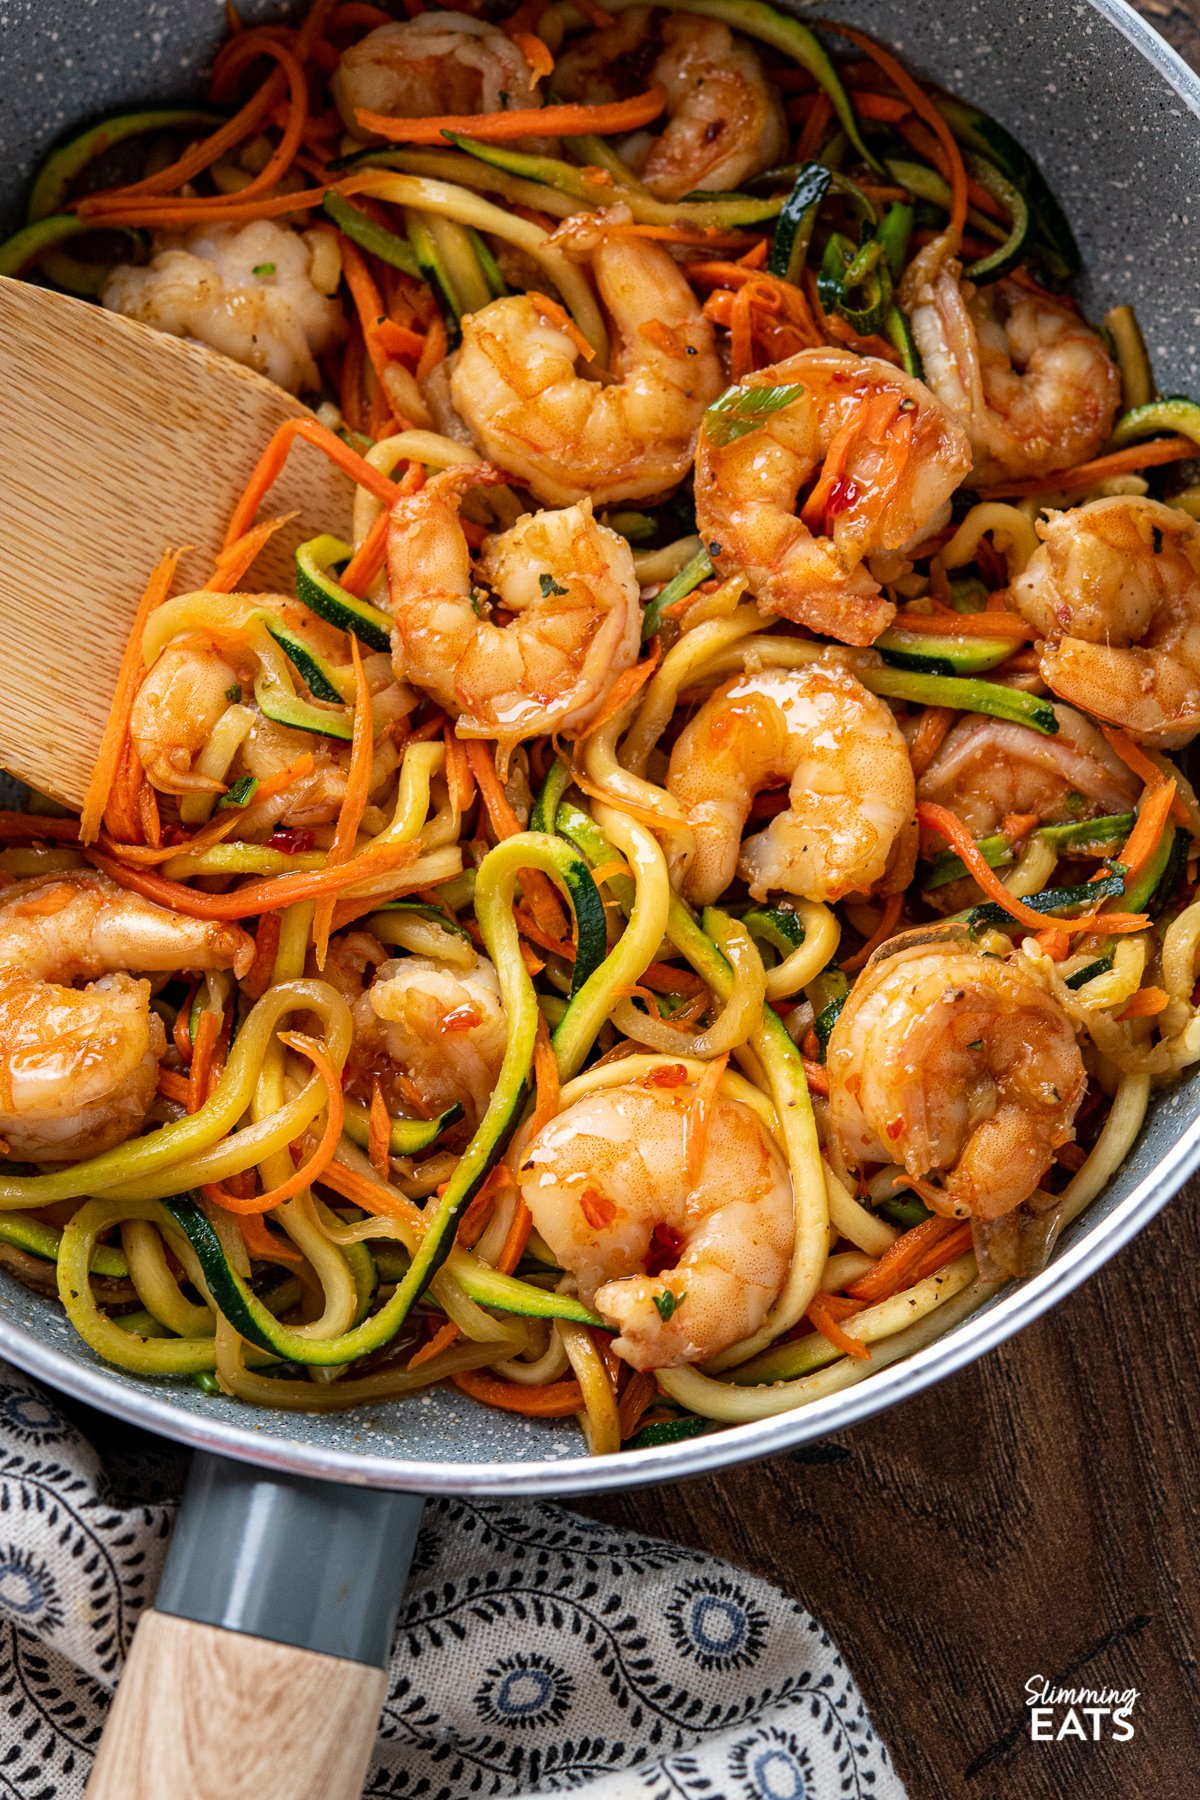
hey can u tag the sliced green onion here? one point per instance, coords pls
(740, 410)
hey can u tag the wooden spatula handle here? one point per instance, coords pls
(216, 1715)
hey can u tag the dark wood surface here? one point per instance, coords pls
(1034, 1515)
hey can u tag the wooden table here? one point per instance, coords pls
(1033, 1515)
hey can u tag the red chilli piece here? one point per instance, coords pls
(665, 1245)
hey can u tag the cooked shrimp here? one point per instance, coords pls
(260, 293)
(608, 1183)
(724, 118)
(568, 438)
(986, 770)
(1028, 377)
(892, 457)
(78, 1067)
(431, 1035)
(567, 580)
(850, 814)
(436, 64)
(1115, 588)
(959, 1067)
(177, 705)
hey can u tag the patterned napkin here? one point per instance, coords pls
(537, 1652)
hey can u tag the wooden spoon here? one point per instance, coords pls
(116, 443)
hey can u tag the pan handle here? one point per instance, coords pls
(260, 1673)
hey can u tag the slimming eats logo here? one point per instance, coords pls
(1091, 1714)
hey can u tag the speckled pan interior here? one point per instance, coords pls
(1113, 116)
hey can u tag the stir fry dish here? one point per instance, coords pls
(696, 884)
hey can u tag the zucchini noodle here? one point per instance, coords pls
(675, 841)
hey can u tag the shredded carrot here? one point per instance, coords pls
(638, 1395)
(824, 1314)
(1153, 816)
(954, 624)
(897, 1267)
(174, 1086)
(368, 559)
(883, 931)
(878, 106)
(459, 779)
(354, 803)
(271, 462)
(555, 314)
(522, 121)
(817, 1076)
(129, 677)
(322, 1156)
(257, 978)
(954, 168)
(610, 870)
(266, 1245)
(258, 896)
(957, 835)
(1149, 455)
(1133, 756)
(237, 557)
(35, 825)
(1147, 1003)
(820, 117)
(441, 1340)
(382, 1203)
(547, 1088)
(1016, 826)
(535, 52)
(556, 1400)
(503, 819)
(932, 727)
(368, 304)
(208, 1029)
(379, 1135)
(595, 14)
(513, 1248)
(629, 683)
(1054, 943)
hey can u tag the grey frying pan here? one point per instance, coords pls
(295, 1537)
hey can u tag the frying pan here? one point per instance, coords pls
(294, 1540)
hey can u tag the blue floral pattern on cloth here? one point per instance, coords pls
(537, 1653)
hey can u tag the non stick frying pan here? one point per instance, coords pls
(294, 1541)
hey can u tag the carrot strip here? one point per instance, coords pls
(264, 1244)
(934, 723)
(523, 121)
(1133, 756)
(353, 1186)
(547, 1088)
(215, 830)
(1054, 943)
(443, 1337)
(208, 1029)
(271, 462)
(237, 557)
(258, 896)
(639, 1395)
(257, 978)
(128, 680)
(956, 834)
(459, 779)
(354, 803)
(514, 1244)
(878, 106)
(368, 304)
(1151, 822)
(924, 109)
(700, 1119)
(882, 932)
(825, 1311)
(536, 53)
(897, 1266)
(503, 819)
(630, 682)
(556, 1400)
(1147, 1003)
(322, 1156)
(558, 315)
(33, 825)
(1085, 475)
(379, 1135)
(953, 624)
(434, 349)
(102, 206)
(174, 1086)
(367, 560)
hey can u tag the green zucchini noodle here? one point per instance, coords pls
(686, 880)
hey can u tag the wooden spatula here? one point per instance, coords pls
(116, 443)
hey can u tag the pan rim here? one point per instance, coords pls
(1011, 1311)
